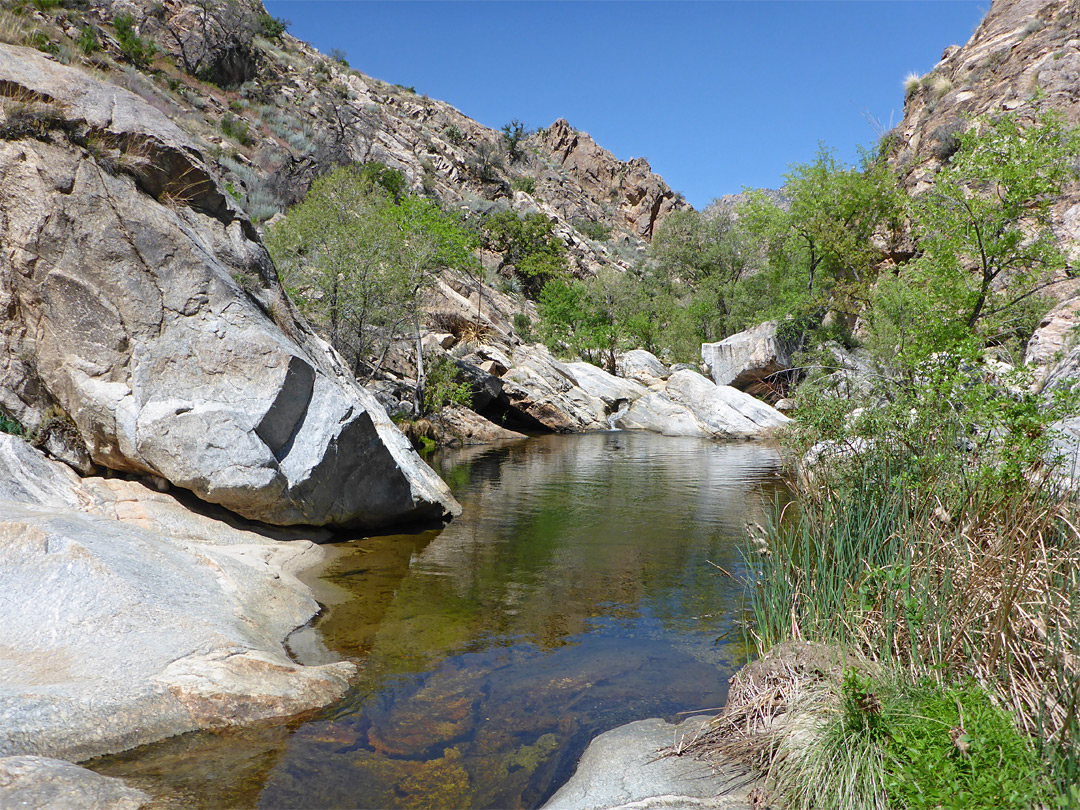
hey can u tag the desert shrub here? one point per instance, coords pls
(88, 41)
(595, 230)
(454, 135)
(514, 135)
(134, 48)
(272, 27)
(443, 386)
(236, 128)
(526, 184)
(10, 425)
(528, 244)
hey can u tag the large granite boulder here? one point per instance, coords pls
(611, 390)
(749, 360)
(657, 414)
(730, 412)
(142, 312)
(643, 367)
(129, 618)
(546, 390)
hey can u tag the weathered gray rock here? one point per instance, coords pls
(546, 390)
(40, 783)
(632, 766)
(611, 390)
(128, 618)
(749, 358)
(642, 366)
(658, 414)
(1052, 343)
(144, 308)
(465, 427)
(728, 411)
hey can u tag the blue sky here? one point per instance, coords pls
(717, 95)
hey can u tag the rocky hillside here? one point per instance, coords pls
(1024, 57)
(273, 113)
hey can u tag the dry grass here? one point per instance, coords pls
(987, 589)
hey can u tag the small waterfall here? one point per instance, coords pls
(620, 412)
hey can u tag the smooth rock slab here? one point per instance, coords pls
(623, 768)
(128, 618)
(40, 783)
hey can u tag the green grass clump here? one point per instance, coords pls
(955, 749)
(888, 743)
(10, 425)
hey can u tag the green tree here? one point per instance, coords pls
(986, 247)
(358, 262)
(528, 244)
(514, 134)
(823, 238)
(703, 257)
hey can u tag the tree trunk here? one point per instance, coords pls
(421, 407)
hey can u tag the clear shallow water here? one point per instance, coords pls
(579, 590)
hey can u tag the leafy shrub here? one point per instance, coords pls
(88, 40)
(40, 40)
(339, 56)
(272, 27)
(134, 48)
(454, 135)
(523, 326)
(443, 387)
(236, 128)
(597, 231)
(514, 134)
(10, 425)
(526, 184)
(528, 244)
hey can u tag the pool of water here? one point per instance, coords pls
(592, 580)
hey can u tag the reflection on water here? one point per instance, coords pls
(585, 585)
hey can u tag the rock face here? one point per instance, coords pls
(40, 783)
(141, 308)
(643, 197)
(748, 360)
(129, 618)
(633, 766)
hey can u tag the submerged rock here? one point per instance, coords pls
(128, 618)
(146, 316)
(40, 783)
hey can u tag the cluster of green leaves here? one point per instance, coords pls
(10, 425)
(526, 184)
(358, 255)
(272, 27)
(952, 748)
(986, 248)
(528, 244)
(88, 41)
(454, 134)
(593, 229)
(443, 386)
(135, 49)
(236, 128)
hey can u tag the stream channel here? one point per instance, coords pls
(580, 589)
